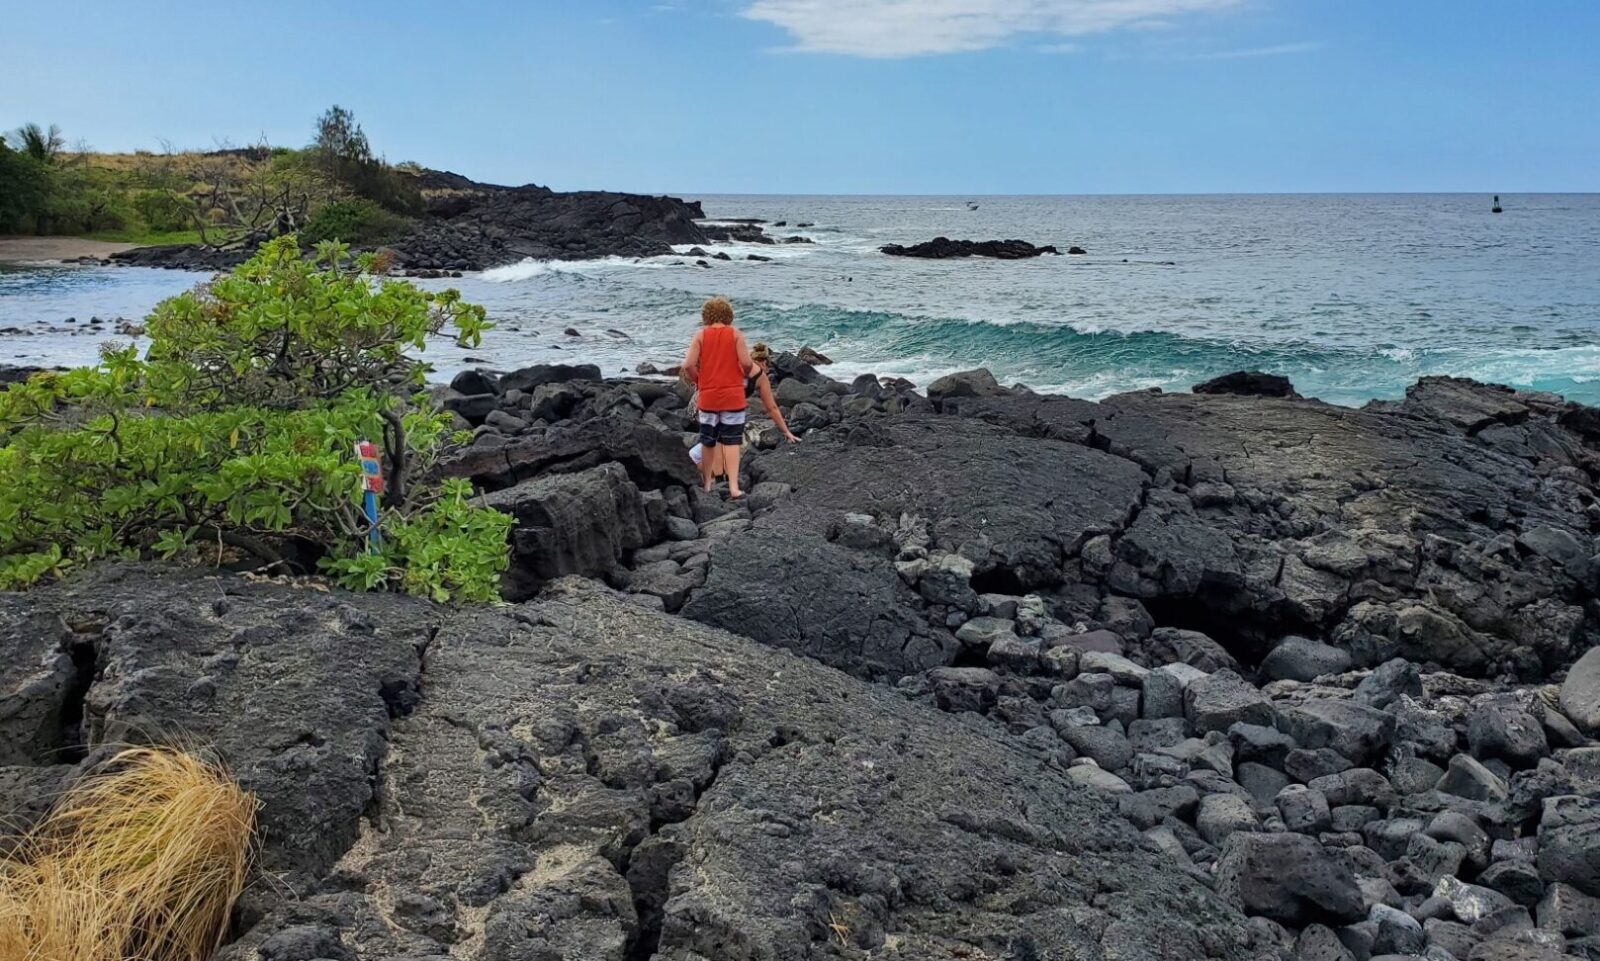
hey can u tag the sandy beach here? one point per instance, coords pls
(37, 250)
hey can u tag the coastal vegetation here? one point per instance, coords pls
(144, 858)
(232, 438)
(334, 188)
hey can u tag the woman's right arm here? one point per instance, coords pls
(764, 385)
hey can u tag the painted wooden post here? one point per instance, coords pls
(371, 486)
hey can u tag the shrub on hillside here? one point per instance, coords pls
(233, 437)
(357, 221)
(161, 210)
(24, 186)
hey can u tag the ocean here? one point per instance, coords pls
(1353, 297)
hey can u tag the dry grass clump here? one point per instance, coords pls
(141, 861)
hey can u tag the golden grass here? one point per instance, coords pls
(141, 861)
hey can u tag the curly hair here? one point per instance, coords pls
(761, 353)
(717, 310)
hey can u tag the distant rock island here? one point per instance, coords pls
(943, 248)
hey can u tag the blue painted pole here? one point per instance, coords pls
(370, 501)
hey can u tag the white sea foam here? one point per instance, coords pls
(530, 268)
(738, 251)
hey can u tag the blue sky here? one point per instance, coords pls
(852, 96)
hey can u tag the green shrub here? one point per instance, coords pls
(235, 436)
(161, 211)
(357, 221)
(24, 186)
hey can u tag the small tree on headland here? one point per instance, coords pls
(341, 145)
(345, 156)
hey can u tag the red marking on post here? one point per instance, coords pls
(371, 470)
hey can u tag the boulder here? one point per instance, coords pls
(1019, 655)
(1580, 692)
(1254, 742)
(982, 632)
(654, 458)
(1569, 842)
(1107, 747)
(1090, 774)
(1358, 732)
(1391, 680)
(528, 378)
(1251, 383)
(1306, 766)
(473, 408)
(967, 383)
(1146, 809)
(1297, 658)
(804, 593)
(1263, 783)
(1223, 815)
(475, 382)
(958, 689)
(1398, 933)
(1508, 732)
(1289, 878)
(1568, 911)
(1218, 701)
(1359, 785)
(1171, 645)
(1318, 942)
(1517, 880)
(1467, 777)
(579, 523)
(1470, 902)
(1304, 809)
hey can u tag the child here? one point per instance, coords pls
(718, 362)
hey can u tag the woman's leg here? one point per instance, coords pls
(730, 463)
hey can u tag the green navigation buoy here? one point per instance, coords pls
(1496, 208)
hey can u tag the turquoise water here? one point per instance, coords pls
(1352, 297)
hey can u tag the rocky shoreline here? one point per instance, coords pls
(972, 672)
(476, 226)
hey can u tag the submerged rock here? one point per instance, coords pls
(1252, 383)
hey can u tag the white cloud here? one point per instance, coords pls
(1305, 46)
(908, 28)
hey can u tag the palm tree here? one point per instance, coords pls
(39, 143)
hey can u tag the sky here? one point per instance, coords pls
(960, 97)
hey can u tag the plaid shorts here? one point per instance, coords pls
(721, 427)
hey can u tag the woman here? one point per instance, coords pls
(718, 364)
(759, 383)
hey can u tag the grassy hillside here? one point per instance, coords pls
(331, 189)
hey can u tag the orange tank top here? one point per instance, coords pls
(721, 381)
